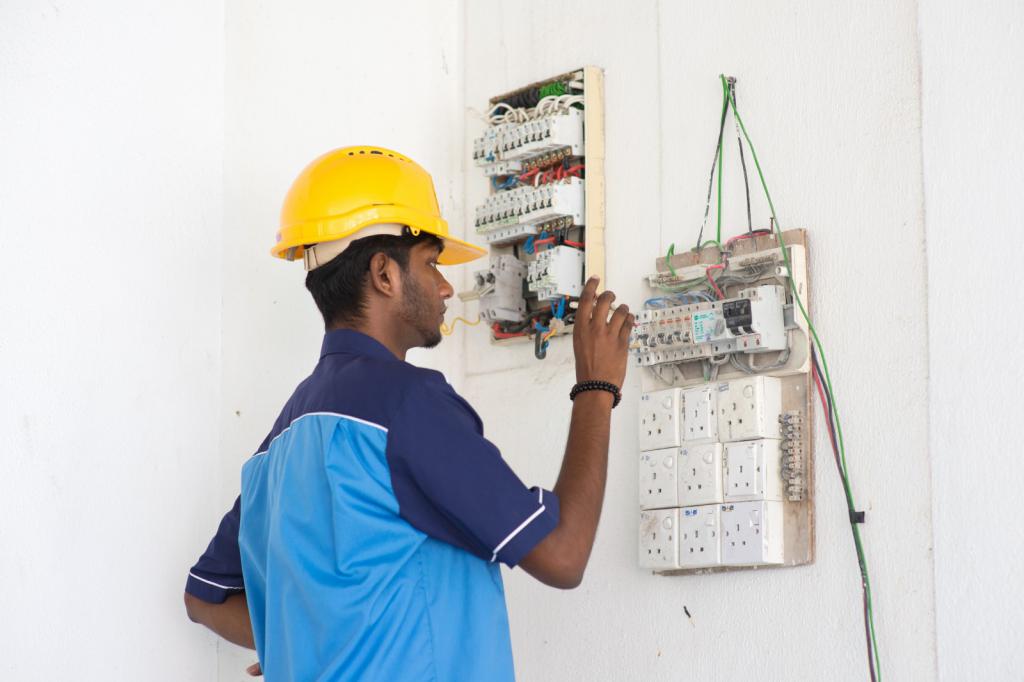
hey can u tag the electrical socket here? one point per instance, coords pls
(752, 533)
(660, 418)
(749, 408)
(700, 413)
(753, 470)
(658, 475)
(699, 531)
(700, 474)
(659, 539)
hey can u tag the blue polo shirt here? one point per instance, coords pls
(370, 527)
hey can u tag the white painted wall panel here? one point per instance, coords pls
(830, 98)
(111, 138)
(973, 101)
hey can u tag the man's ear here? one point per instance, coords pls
(385, 275)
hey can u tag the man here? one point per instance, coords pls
(366, 539)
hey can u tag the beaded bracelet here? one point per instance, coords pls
(597, 386)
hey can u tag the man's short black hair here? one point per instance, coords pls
(339, 286)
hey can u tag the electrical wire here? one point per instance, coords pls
(874, 663)
(743, 160)
(826, 404)
(711, 180)
(448, 329)
(718, 292)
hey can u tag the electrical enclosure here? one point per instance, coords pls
(727, 403)
(542, 154)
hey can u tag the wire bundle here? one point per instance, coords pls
(823, 382)
(553, 104)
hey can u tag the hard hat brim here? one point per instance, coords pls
(456, 251)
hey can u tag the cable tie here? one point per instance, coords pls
(856, 517)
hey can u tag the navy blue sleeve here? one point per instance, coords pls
(218, 573)
(452, 483)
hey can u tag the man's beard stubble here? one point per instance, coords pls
(417, 312)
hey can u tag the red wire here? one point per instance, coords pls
(748, 235)
(714, 285)
(498, 334)
(824, 404)
(578, 245)
(574, 169)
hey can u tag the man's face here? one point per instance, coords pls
(424, 292)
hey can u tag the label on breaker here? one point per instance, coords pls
(704, 326)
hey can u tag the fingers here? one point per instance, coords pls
(618, 318)
(604, 302)
(627, 328)
(585, 308)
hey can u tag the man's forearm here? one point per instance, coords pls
(561, 558)
(230, 620)
(581, 482)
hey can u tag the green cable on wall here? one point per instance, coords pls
(861, 560)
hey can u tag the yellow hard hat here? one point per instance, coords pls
(350, 190)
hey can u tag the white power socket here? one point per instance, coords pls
(752, 533)
(660, 418)
(659, 539)
(699, 530)
(658, 478)
(753, 471)
(700, 474)
(749, 408)
(700, 413)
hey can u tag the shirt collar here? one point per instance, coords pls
(354, 343)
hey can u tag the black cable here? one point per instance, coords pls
(842, 474)
(714, 162)
(743, 159)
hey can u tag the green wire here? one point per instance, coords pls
(668, 258)
(551, 89)
(828, 380)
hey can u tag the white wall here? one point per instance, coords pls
(973, 101)
(830, 97)
(304, 78)
(110, 219)
(147, 339)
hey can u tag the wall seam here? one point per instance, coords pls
(927, 341)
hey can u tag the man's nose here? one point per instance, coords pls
(446, 290)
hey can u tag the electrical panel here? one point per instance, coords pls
(724, 443)
(542, 155)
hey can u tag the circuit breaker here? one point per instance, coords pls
(542, 155)
(724, 449)
(499, 289)
(555, 273)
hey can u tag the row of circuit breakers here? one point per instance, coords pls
(533, 154)
(718, 461)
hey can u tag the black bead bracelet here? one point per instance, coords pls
(597, 386)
